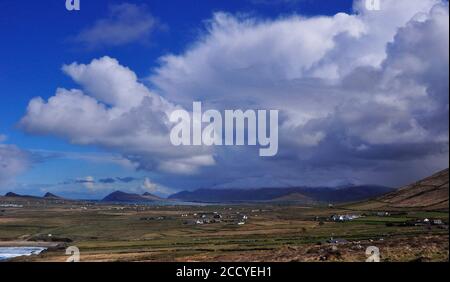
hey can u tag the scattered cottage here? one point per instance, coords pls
(345, 217)
(437, 222)
(337, 241)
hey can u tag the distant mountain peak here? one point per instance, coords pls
(150, 196)
(120, 196)
(118, 192)
(15, 195)
(12, 195)
(49, 195)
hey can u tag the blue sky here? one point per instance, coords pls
(39, 38)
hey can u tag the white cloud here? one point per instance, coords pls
(188, 165)
(357, 93)
(13, 161)
(303, 67)
(238, 54)
(94, 157)
(374, 79)
(88, 182)
(124, 24)
(110, 83)
(155, 188)
(114, 111)
(238, 57)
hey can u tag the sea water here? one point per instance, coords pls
(12, 252)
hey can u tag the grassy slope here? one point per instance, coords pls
(430, 194)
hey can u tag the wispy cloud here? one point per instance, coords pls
(108, 158)
(155, 188)
(88, 182)
(111, 180)
(125, 23)
(127, 179)
(107, 180)
(13, 161)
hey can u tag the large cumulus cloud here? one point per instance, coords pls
(362, 95)
(114, 110)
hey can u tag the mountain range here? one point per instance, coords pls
(431, 193)
(119, 196)
(47, 196)
(306, 195)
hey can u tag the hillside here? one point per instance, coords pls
(151, 197)
(294, 197)
(49, 195)
(14, 195)
(430, 193)
(19, 198)
(119, 196)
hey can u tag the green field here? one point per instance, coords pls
(169, 233)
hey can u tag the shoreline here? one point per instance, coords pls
(30, 244)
